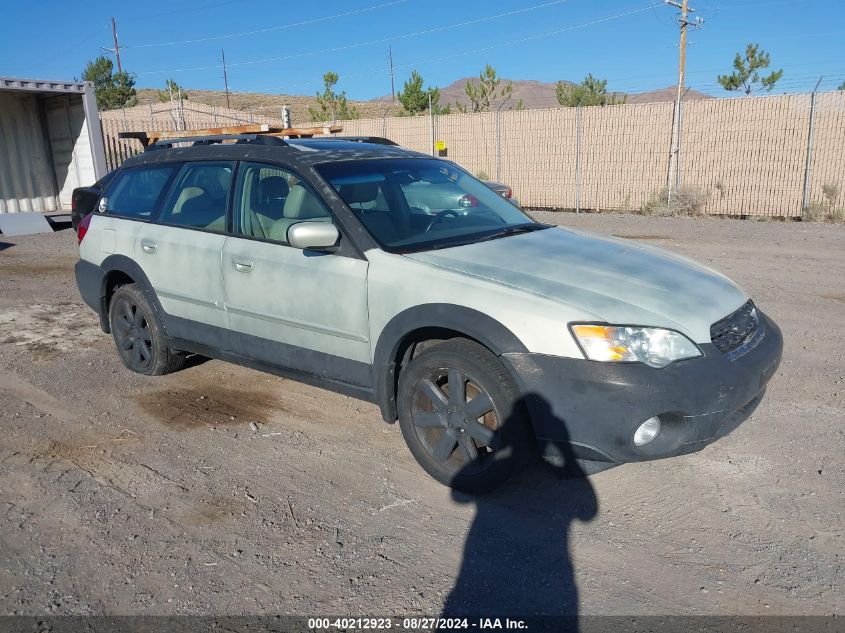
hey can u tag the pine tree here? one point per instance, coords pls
(486, 92)
(171, 87)
(332, 106)
(415, 99)
(113, 90)
(745, 77)
(590, 92)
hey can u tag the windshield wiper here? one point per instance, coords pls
(505, 232)
(513, 230)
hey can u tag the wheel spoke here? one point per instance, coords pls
(457, 387)
(146, 354)
(127, 311)
(428, 419)
(136, 354)
(478, 406)
(468, 447)
(483, 434)
(123, 322)
(139, 317)
(445, 446)
(126, 344)
(437, 397)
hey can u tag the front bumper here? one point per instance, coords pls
(591, 409)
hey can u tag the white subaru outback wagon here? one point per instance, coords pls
(398, 278)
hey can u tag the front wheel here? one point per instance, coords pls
(461, 416)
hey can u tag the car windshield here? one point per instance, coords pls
(419, 204)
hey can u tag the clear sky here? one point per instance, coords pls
(286, 47)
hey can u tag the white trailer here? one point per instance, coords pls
(50, 143)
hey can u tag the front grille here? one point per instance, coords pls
(736, 329)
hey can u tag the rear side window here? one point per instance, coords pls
(200, 197)
(134, 192)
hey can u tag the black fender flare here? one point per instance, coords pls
(469, 322)
(127, 266)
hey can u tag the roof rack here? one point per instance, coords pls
(379, 140)
(260, 139)
(240, 133)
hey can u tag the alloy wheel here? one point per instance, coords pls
(132, 334)
(455, 420)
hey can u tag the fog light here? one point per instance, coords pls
(647, 431)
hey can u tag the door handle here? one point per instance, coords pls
(242, 265)
(149, 246)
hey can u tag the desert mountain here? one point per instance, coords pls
(534, 94)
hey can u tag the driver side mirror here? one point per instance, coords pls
(316, 236)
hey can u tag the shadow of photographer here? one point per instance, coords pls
(516, 559)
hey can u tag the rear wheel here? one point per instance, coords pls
(460, 415)
(138, 334)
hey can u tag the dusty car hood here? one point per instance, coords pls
(615, 280)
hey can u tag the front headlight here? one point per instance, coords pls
(653, 346)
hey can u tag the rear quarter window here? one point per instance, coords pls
(134, 193)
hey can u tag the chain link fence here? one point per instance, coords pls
(754, 156)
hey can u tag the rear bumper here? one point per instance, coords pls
(591, 409)
(90, 282)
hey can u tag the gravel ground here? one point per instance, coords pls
(220, 490)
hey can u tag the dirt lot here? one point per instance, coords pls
(129, 495)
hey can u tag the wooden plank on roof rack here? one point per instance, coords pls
(147, 136)
(294, 132)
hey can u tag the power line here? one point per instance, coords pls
(69, 48)
(270, 28)
(765, 3)
(371, 42)
(483, 49)
(183, 10)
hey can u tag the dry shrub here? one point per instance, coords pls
(686, 201)
(814, 212)
(838, 215)
(831, 191)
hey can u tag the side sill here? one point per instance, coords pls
(347, 389)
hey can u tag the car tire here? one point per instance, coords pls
(138, 334)
(461, 415)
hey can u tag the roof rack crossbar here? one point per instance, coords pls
(259, 139)
(379, 140)
(147, 137)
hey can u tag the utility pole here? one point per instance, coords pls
(431, 122)
(225, 77)
(674, 172)
(809, 162)
(116, 50)
(392, 88)
(116, 45)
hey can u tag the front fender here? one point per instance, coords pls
(466, 321)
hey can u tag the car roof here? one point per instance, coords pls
(305, 152)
